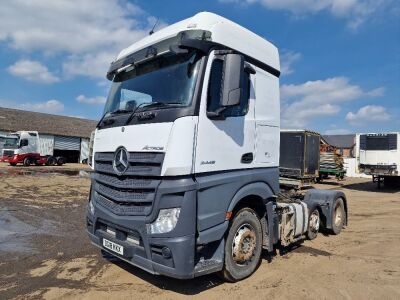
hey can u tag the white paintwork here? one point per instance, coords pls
(46, 144)
(84, 149)
(223, 31)
(351, 167)
(267, 115)
(380, 157)
(133, 137)
(221, 143)
(180, 148)
(33, 142)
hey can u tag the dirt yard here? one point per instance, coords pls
(44, 251)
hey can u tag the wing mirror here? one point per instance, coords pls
(232, 74)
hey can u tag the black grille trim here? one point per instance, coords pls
(140, 163)
(132, 193)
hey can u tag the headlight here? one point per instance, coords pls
(91, 207)
(166, 221)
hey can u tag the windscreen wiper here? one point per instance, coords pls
(148, 105)
(115, 112)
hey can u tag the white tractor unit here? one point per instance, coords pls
(380, 157)
(22, 147)
(185, 159)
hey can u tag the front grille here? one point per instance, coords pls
(134, 192)
(140, 164)
(8, 152)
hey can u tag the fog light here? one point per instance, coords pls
(91, 207)
(166, 252)
(166, 221)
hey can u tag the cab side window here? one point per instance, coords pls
(214, 92)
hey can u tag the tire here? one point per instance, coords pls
(338, 216)
(51, 161)
(314, 223)
(60, 161)
(27, 161)
(13, 164)
(243, 246)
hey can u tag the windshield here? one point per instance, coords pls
(10, 142)
(167, 81)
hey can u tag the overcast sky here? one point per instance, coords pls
(340, 59)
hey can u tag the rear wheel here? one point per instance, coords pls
(51, 161)
(243, 246)
(314, 222)
(60, 161)
(27, 161)
(338, 216)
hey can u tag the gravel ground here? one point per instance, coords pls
(44, 251)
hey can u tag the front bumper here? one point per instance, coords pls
(381, 170)
(180, 265)
(171, 254)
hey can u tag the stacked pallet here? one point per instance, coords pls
(331, 161)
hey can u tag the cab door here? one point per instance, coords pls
(227, 143)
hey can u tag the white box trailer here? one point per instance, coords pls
(380, 156)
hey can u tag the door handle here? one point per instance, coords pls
(247, 158)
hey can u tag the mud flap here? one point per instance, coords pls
(270, 225)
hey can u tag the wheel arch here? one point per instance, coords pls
(252, 194)
(324, 200)
(255, 196)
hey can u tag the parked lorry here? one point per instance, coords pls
(2, 142)
(186, 156)
(380, 157)
(23, 147)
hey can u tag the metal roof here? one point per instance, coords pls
(341, 140)
(12, 120)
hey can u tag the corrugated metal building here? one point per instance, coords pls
(59, 135)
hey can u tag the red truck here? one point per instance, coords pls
(23, 147)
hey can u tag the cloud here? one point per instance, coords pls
(355, 12)
(99, 100)
(288, 58)
(52, 106)
(378, 92)
(337, 131)
(32, 71)
(367, 114)
(302, 103)
(89, 34)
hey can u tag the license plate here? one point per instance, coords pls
(113, 246)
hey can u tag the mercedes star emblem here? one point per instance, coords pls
(120, 162)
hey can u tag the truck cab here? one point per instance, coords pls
(21, 146)
(186, 155)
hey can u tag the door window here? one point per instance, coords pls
(214, 92)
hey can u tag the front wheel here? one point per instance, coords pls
(243, 246)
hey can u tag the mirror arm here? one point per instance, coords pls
(249, 69)
(216, 115)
